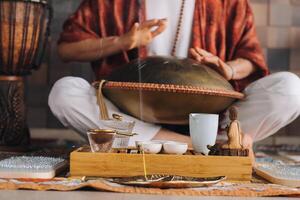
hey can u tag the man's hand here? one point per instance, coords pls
(95, 49)
(142, 34)
(213, 61)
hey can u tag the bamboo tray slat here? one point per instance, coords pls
(84, 163)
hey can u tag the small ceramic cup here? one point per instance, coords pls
(149, 147)
(175, 148)
(203, 131)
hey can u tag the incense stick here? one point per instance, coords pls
(144, 163)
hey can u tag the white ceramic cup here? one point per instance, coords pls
(175, 148)
(203, 131)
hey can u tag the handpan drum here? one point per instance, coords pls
(166, 89)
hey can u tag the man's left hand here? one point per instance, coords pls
(213, 61)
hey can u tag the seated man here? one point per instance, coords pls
(220, 34)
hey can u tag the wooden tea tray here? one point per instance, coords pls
(130, 163)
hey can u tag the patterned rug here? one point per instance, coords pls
(221, 189)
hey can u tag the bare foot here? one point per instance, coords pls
(247, 143)
(165, 134)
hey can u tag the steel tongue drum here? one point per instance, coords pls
(166, 89)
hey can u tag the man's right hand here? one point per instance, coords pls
(142, 34)
(94, 49)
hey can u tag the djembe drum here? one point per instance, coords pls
(24, 29)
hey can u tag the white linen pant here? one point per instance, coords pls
(270, 104)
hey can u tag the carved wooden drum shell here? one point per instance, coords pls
(24, 29)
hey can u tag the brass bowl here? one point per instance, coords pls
(166, 89)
